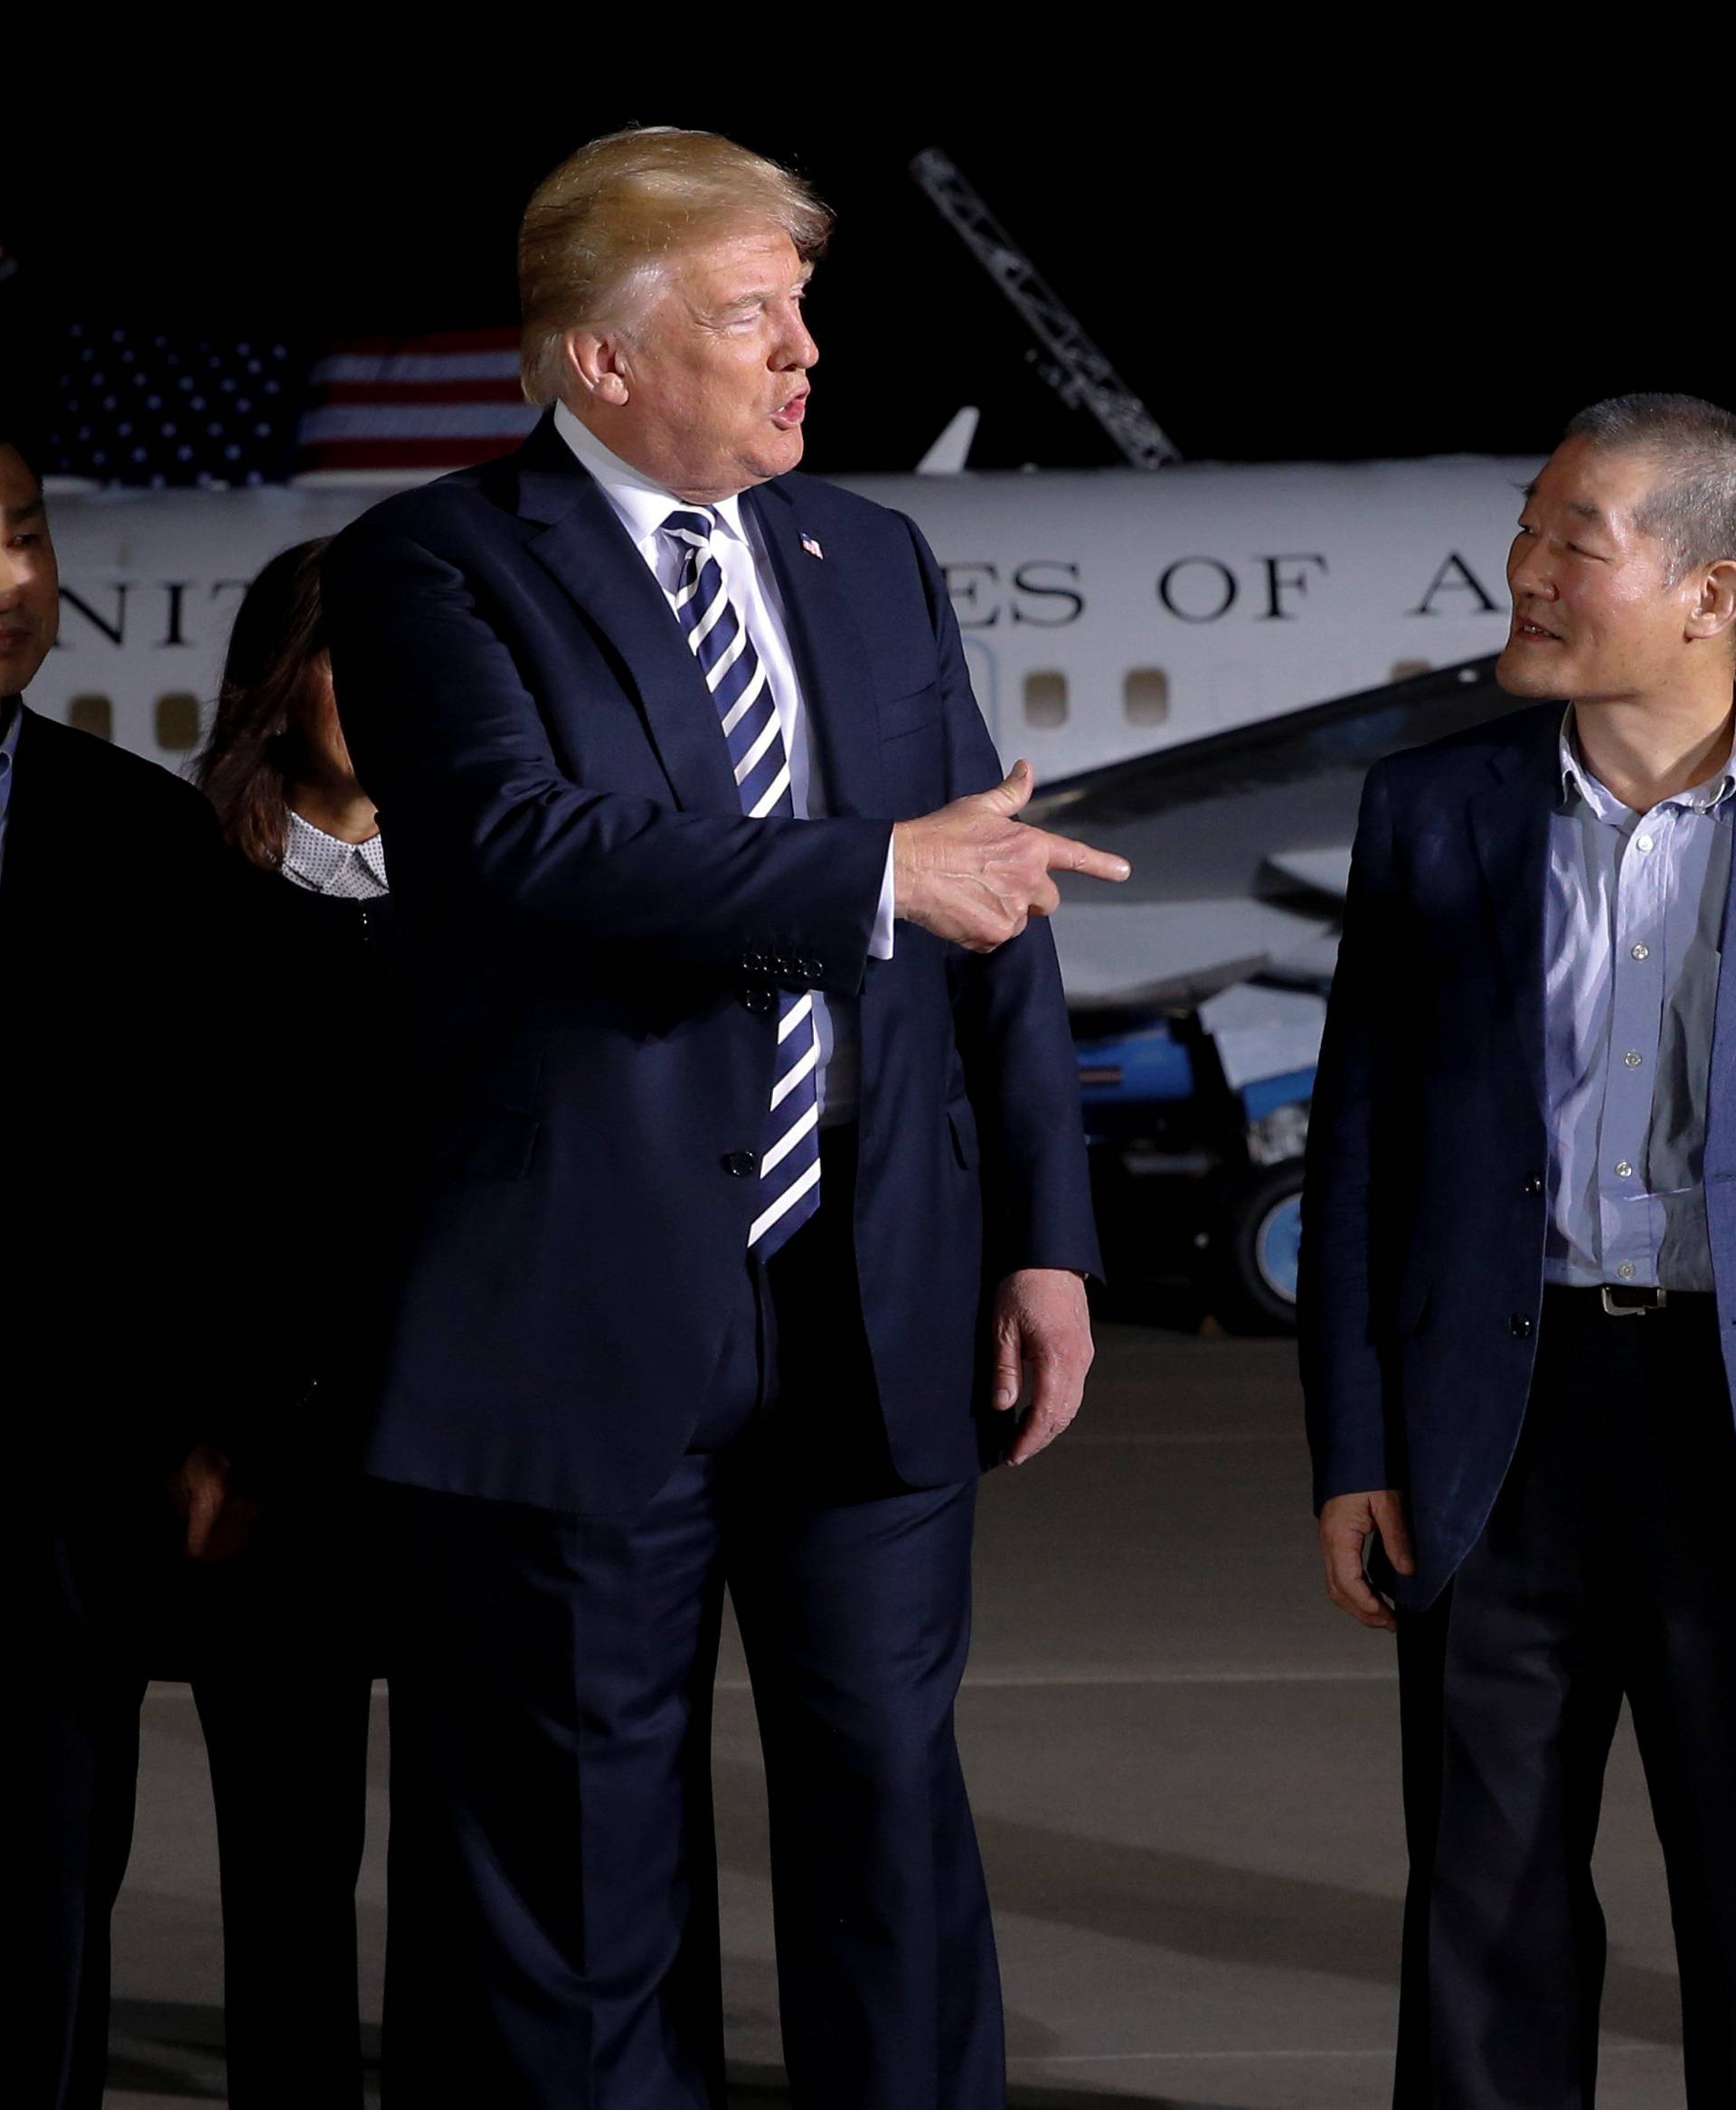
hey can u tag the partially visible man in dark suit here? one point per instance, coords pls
(110, 878)
(1519, 1289)
(752, 1176)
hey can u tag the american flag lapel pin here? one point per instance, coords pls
(812, 548)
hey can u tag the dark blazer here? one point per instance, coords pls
(1425, 1210)
(593, 937)
(325, 1059)
(112, 956)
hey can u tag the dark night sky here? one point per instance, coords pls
(1331, 284)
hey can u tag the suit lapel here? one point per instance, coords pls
(1721, 1085)
(831, 658)
(584, 547)
(1510, 823)
(34, 828)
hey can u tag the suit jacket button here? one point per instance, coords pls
(739, 1163)
(1519, 1326)
(811, 970)
(760, 1001)
(1533, 1186)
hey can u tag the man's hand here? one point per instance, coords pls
(219, 1520)
(1345, 1522)
(1042, 1325)
(975, 874)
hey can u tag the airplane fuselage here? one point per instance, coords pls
(1105, 614)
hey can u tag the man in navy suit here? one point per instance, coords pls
(753, 1184)
(1519, 1296)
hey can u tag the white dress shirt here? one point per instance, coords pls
(642, 507)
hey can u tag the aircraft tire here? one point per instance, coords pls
(1251, 1253)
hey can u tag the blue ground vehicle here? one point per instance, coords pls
(1196, 1169)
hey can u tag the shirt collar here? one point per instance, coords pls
(317, 858)
(641, 505)
(1700, 798)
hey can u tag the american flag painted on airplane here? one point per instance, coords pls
(390, 408)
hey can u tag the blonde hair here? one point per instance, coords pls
(601, 227)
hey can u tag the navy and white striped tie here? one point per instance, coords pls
(789, 1165)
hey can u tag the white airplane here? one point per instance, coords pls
(1105, 614)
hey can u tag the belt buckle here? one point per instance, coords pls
(1653, 1300)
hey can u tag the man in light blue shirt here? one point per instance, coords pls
(1518, 1310)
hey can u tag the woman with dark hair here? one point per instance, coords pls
(278, 1640)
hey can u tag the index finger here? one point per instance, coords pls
(1062, 853)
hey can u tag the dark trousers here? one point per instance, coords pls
(1609, 1567)
(284, 1707)
(552, 1938)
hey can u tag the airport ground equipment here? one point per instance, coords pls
(1196, 1169)
(1199, 994)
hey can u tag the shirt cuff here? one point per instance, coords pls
(880, 946)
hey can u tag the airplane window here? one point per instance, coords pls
(177, 721)
(92, 714)
(1144, 696)
(1045, 698)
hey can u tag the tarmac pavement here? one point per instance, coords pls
(1184, 1768)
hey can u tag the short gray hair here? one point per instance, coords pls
(1692, 508)
(604, 223)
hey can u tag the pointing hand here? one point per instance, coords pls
(975, 874)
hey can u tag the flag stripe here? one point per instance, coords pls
(416, 422)
(427, 391)
(405, 454)
(415, 368)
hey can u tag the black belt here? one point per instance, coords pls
(1627, 1300)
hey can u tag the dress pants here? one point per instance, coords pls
(283, 1701)
(553, 1934)
(1607, 1567)
(280, 1647)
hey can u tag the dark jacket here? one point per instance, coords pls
(1425, 1211)
(112, 960)
(593, 935)
(316, 1236)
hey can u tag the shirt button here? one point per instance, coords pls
(1626, 1271)
(1641, 841)
(1624, 1170)
(1642, 952)
(1633, 1058)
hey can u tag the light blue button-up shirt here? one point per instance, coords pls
(1635, 915)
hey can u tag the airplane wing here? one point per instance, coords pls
(1240, 842)
(1321, 872)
